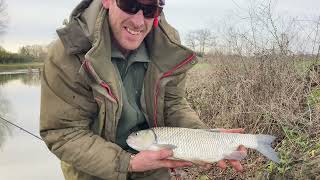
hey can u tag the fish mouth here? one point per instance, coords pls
(131, 143)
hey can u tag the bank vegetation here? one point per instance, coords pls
(261, 74)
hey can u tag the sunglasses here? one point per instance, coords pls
(133, 6)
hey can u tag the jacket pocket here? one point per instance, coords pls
(98, 123)
(104, 124)
(161, 101)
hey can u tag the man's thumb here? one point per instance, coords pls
(165, 153)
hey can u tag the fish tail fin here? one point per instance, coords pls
(264, 147)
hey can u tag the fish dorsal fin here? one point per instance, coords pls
(157, 147)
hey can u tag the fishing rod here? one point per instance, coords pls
(24, 130)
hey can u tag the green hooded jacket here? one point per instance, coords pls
(81, 99)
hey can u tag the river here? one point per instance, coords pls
(23, 156)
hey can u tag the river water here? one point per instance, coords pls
(23, 156)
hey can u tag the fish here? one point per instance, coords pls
(201, 145)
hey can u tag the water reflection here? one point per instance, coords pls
(5, 129)
(19, 83)
(30, 79)
(21, 152)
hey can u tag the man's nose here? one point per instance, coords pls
(138, 18)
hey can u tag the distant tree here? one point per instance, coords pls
(205, 38)
(8, 58)
(24, 51)
(37, 52)
(3, 16)
(191, 41)
(200, 40)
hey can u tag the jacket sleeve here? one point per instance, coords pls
(67, 111)
(177, 112)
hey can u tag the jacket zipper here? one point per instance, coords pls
(100, 81)
(157, 91)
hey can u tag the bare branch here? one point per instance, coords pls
(3, 16)
(191, 40)
(201, 39)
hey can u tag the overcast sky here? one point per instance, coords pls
(35, 21)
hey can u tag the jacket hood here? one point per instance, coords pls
(86, 26)
(77, 35)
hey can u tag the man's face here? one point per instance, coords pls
(128, 30)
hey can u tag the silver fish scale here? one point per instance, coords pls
(202, 145)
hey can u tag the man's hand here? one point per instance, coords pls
(234, 163)
(150, 160)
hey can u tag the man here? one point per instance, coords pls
(114, 71)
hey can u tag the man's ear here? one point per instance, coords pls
(106, 3)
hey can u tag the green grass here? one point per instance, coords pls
(314, 97)
(295, 144)
(11, 67)
(303, 66)
(202, 66)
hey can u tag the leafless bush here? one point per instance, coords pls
(263, 76)
(265, 92)
(266, 95)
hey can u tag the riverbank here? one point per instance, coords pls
(12, 67)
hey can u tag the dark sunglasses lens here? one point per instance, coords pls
(132, 7)
(128, 6)
(151, 11)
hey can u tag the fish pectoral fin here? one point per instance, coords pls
(173, 158)
(235, 155)
(157, 147)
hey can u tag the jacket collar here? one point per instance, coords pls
(77, 35)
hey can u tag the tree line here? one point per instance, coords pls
(26, 54)
(9, 58)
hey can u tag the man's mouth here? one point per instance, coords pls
(133, 32)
